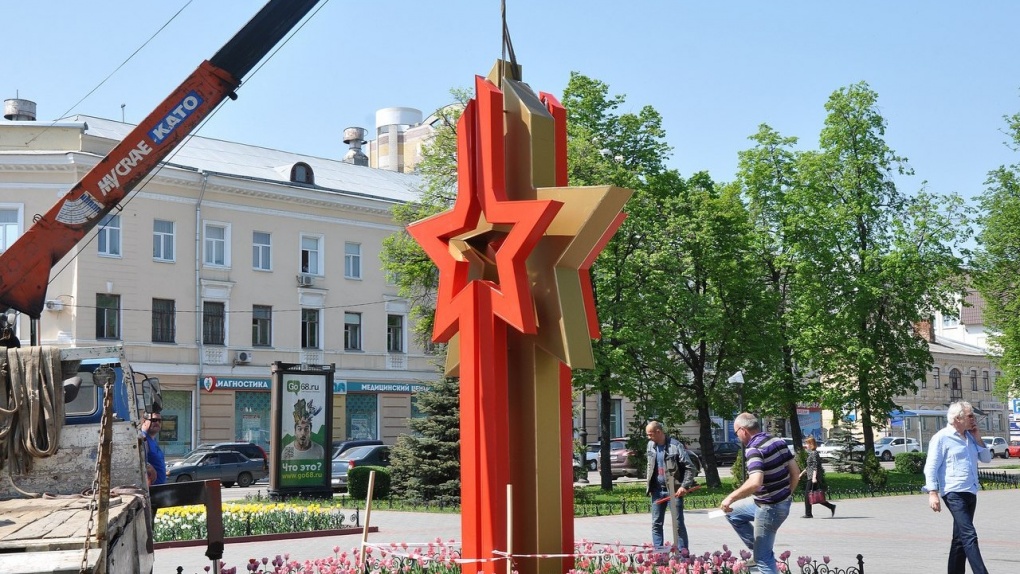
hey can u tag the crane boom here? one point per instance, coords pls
(25, 266)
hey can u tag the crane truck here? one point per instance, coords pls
(52, 452)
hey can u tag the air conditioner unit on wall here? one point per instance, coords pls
(304, 280)
(243, 357)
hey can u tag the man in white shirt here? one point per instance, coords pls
(951, 467)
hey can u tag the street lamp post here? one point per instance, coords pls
(737, 379)
(584, 438)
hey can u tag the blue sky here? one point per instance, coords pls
(945, 72)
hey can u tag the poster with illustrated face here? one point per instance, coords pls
(303, 430)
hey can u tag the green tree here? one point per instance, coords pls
(997, 264)
(871, 263)
(767, 174)
(402, 258)
(697, 313)
(426, 463)
(606, 147)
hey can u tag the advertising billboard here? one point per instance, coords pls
(302, 406)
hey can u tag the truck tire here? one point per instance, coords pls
(593, 465)
(244, 479)
(228, 483)
(887, 456)
(184, 478)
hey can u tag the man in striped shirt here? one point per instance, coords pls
(772, 475)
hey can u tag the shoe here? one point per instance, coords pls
(807, 516)
(833, 509)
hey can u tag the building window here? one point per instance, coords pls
(261, 250)
(163, 313)
(950, 321)
(217, 245)
(973, 380)
(109, 236)
(302, 173)
(162, 240)
(352, 260)
(955, 388)
(616, 418)
(935, 378)
(311, 248)
(107, 316)
(924, 382)
(261, 326)
(214, 323)
(10, 229)
(309, 328)
(984, 380)
(352, 331)
(395, 333)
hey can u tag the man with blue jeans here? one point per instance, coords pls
(951, 467)
(772, 476)
(668, 478)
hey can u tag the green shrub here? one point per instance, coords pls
(357, 482)
(872, 472)
(737, 468)
(910, 462)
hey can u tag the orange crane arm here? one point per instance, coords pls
(25, 266)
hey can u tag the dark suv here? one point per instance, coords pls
(248, 449)
(340, 446)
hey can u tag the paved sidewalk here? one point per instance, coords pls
(896, 535)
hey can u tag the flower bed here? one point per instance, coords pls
(247, 519)
(440, 557)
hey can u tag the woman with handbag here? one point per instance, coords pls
(814, 486)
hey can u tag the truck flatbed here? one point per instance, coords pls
(48, 534)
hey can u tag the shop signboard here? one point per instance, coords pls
(302, 400)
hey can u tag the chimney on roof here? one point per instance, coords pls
(355, 137)
(925, 329)
(18, 110)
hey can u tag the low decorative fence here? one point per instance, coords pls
(1000, 479)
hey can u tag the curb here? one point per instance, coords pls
(264, 537)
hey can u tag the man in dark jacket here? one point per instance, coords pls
(668, 478)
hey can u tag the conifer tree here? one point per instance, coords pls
(426, 462)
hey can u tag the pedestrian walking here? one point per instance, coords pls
(951, 468)
(814, 480)
(772, 476)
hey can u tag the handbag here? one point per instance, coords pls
(816, 497)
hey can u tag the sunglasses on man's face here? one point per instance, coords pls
(155, 420)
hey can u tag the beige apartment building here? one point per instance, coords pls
(227, 259)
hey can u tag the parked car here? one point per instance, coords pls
(887, 447)
(366, 455)
(831, 450)
(997, 445)
(621, 463)
(340, 446)
(725, 453)
(227, 465)
(1014, 448)
(789, 444)
(591, 457)
(248, 449)
(579, 469)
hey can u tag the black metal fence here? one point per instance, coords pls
(814, 567)
(997, 480)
